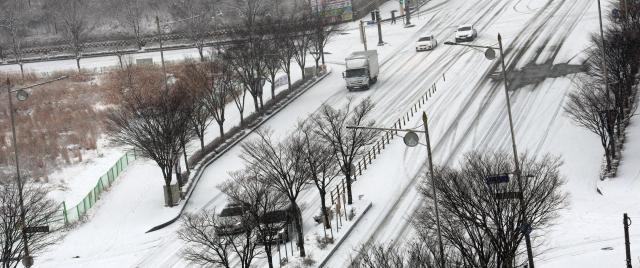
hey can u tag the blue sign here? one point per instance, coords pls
(502, 178)
(616, 13)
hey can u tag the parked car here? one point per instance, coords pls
(231, 219)
(276, 224)
(466, 33)
(426, 43)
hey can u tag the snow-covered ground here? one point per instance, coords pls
(468, 112)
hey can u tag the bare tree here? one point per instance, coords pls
(280, 165)
(413, 254)
(319, 157)
(39, 211)
(75, 17)
(272, 58)
(155, 124)
(131, 13)
(322, 31)
(195, 79)
(302, 42)
(285, 41)
(238, 93)
(591, 107)
(265, 206)
(480, 228)
(248, 56)
(205, 246)
(223, 88)
(347, 144)
(197, 16)
(14, 19)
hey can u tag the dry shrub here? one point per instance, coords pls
(55, 116)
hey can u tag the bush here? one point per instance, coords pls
(323, 241)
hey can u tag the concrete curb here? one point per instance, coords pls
(201, 167)
(324, 262)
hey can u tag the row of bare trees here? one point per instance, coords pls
(478, 228)
(160, 113)
(605, 98)
(73, 16)
(277, 172)
(295, 26)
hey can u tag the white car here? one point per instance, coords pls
(466, 33)
(426, 43)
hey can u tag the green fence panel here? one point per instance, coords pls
(75, 213)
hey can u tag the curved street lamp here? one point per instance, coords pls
(490, 55)
(22, 95)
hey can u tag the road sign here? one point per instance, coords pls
(525, 228)
(502, 178)
(508, 195)
(37, 229)
(616, 13)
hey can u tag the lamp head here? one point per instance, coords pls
(490, 54)
(411, 139)
(22, 95)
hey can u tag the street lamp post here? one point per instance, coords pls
(21, 95)
(411, 140)
(490, 54)
(164, 70)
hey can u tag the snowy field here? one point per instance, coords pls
(468, 112)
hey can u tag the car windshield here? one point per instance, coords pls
(428, 38)
(464, 29)
(355, 73)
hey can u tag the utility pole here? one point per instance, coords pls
(408, 12)
(627, 246)
(433, 185)
(380, 42)
(526, 229)
(605, 75)
(363, 35)
(164, 70)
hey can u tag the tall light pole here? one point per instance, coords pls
(525, 226)
(433, 185)
(164, 70)
(602, 49)
(22, 95)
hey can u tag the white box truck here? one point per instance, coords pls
(362, 69)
